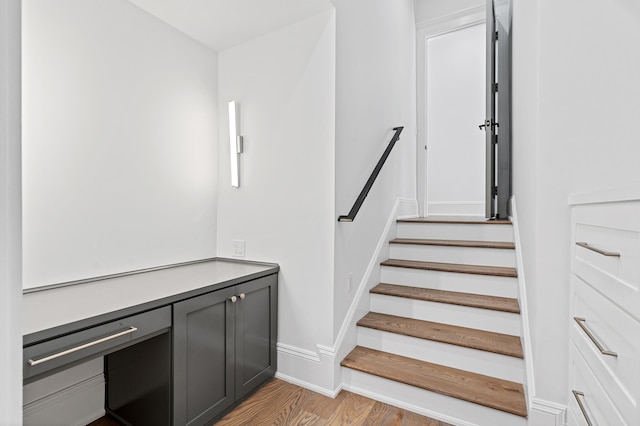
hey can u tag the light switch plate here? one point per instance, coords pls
(238, 248)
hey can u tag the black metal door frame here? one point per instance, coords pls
(497, 125)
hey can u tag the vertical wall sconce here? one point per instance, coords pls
(235, 142)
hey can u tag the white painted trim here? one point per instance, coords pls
(402, 208)
(425, 30)
(623, 193)
(459, 18)
(320, 370)
(10, 214)
(455, 208)
(310, 386)
(544, 413)
(69, 405)
(554, 414)
(298, 352)
(525, 335)
(409, 407)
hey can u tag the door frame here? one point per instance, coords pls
(10, 213)
(424, 31)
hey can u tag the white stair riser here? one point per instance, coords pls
(473, 360)
(427, 403)
(466, 283)
(447, 254)
(449, 231)
(462, 316)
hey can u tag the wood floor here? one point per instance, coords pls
(281, 403)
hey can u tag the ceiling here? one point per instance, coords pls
(220, 24)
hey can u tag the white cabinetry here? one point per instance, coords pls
(604, 348)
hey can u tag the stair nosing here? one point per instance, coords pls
(455, 221)
(460, 268)
(456, 298)
(444, 333)
(503, 245)
(446, 386)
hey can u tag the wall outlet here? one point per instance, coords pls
(349, 282)
(238, 248)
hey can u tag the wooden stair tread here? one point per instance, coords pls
(499, 271)
(488, 341)
(456, 220)
(494, 303)
(455, 243)
(476, 388)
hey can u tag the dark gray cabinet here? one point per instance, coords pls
(223, 348)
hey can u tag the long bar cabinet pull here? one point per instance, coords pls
(130, 330)
(579, 396)
(581, 322)
(597, 250)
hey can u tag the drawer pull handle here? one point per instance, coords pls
(583, 326)
(578, 396)
(81, 347)
(597, 250)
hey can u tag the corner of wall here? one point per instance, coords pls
(541, 412)
(320, 370)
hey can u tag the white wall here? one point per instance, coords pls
(427, 10)
(10, 217)
(284, 83)
(375, 92)
(576, 104)
(119, 158)
(119, 144)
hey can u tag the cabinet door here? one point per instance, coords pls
(203, 351)
(256, 328)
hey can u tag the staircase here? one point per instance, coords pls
(443, 331)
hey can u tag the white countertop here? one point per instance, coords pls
(55, 307)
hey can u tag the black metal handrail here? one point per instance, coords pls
(365, 191)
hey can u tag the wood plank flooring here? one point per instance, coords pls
(454, 243)
(282, 403)
(499, 271)
(498, 343)
(495, 303)
(488, 391)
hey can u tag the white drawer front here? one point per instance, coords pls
(613, 228)
(615, 331)
(597, 405)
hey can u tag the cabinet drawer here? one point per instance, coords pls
(616, 332)
(63, 352)
(606, 251)
(596, 404)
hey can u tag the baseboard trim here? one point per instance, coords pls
(78, 404)
(403, 208)
(455, 208)
(320, 370)
(547, 413)
(524, 305)
(298, 352)
(405, 406)
(326, 392)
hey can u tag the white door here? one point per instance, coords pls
(453, 109)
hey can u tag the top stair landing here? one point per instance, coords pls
(449, 228)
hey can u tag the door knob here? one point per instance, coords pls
(233, 299)
(242, 296)
(488, 124)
